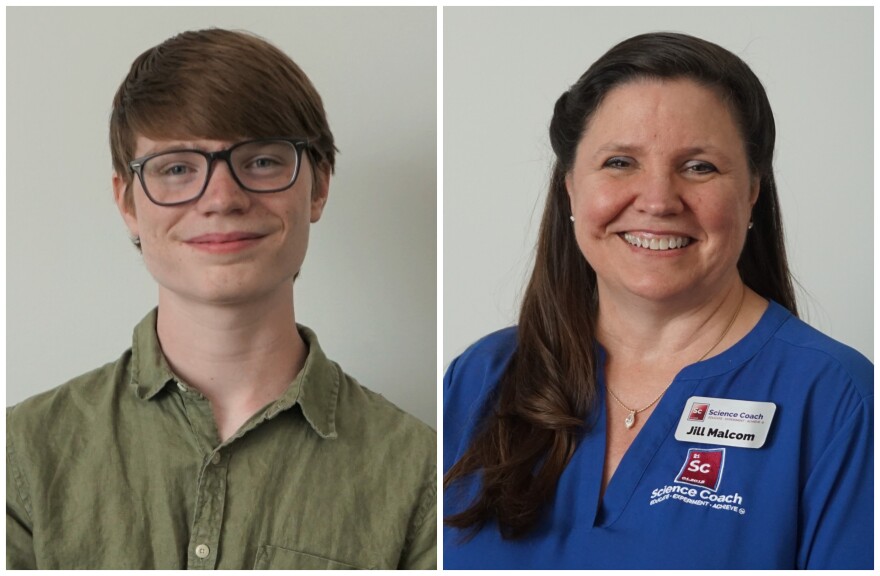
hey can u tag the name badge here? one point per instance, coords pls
(738, 423)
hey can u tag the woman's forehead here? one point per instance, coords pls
(658, 112)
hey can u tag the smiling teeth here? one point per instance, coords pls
(657, 243)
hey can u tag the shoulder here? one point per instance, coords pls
(356, 416)
(393, 451)
(824, 381)
(472, 377)
(45, 430)
(469, 388)
(823, 391)
(792, 363)
(69, 407)
(378, 425)
(483, 362)
(813, 350)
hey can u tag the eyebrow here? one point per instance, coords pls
(168, 146)
(622, 148)
(616, 147)
(172, 145)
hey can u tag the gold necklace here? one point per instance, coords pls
(631, 418)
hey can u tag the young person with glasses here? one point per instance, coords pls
(224, 437)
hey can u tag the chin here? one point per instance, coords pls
(656, 290)
(228, 291)
(239, 296)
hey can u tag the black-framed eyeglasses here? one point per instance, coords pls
(179, 176)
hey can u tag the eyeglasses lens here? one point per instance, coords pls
(259, 166)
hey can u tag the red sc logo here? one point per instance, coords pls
(702, 467)
(695, 466)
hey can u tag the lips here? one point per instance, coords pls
(218, 243)
(224, 238)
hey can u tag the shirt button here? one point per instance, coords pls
(216, 458)
(181, 386)
(202, 551)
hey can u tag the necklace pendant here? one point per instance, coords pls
(630, 420)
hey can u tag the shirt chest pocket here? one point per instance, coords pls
(275, 558)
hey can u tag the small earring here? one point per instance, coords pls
(136, 240)
(751, 225)
(571, 218)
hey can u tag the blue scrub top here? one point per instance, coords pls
(803, 500)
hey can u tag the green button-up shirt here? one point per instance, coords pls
(123, 468)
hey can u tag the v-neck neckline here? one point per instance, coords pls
(637, 458)
(660, 424)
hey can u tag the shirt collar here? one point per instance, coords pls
(150, 372)
(315, 389)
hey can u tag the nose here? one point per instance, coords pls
(223, 193)
(658, 194)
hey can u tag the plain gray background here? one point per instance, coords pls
(76, 286)
(504, 68)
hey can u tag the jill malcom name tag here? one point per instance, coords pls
(725, 422)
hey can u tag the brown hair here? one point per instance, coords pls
(216, 84)
(547, 395)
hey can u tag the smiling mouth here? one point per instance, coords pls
(656, 243)
(227, 243)
(224, 238)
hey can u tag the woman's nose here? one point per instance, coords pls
(658, 193)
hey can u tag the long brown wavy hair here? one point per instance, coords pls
(547, 395)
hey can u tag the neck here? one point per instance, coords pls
(635, 331)
(240, 357)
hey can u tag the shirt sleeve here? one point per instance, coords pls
(19, 531)
(421, 549)
(836, 527)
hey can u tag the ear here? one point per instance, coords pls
(755, 190)
(569, 186)
(126, 207)
(320, 190)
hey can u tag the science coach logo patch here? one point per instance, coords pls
(698, 411)
(698, 482)
(702, 468)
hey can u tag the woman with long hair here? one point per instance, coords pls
(660, 404)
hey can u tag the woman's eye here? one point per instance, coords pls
(618, 162)
(698, 167)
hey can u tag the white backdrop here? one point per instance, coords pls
(504, 68)
(76, 287)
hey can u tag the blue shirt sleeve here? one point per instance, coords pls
(837, 511)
